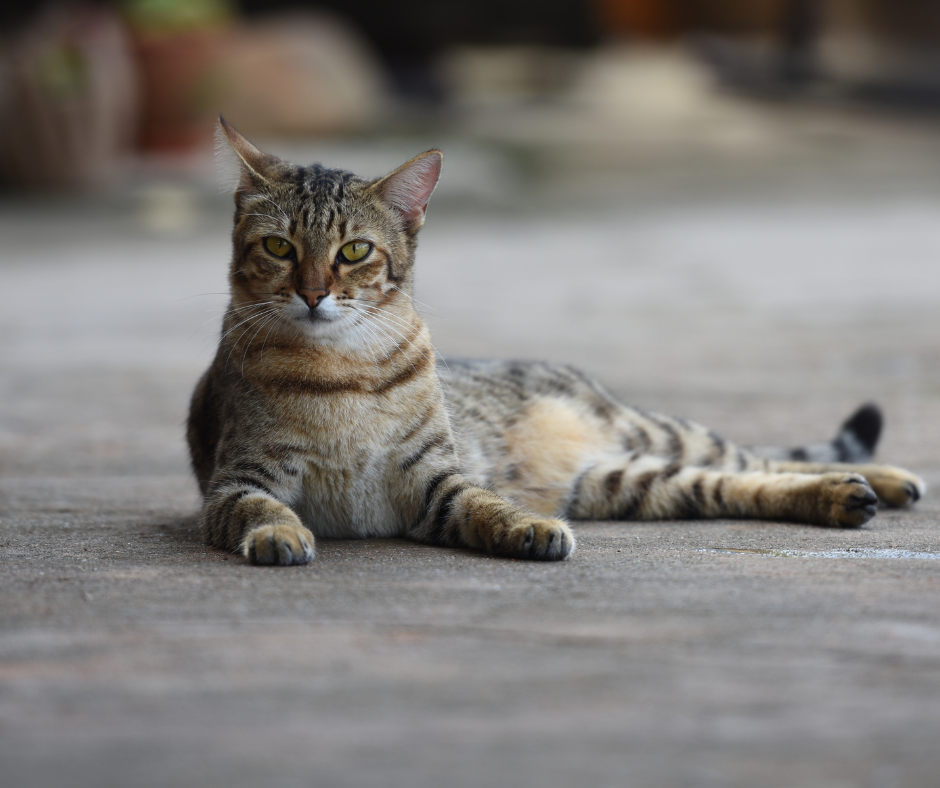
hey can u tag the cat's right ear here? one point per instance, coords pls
(255, 166)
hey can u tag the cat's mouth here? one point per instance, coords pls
(324, 321)
(320, 316)
(323, 311)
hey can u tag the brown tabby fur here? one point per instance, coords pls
(324, 411)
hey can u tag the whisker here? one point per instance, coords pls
(246, 320)
(400, 320)
(231, 309)
(391, 327)
(277, 319)
(375, 338)
(415, 300)
(264, 216)
(252, 305)
(245, 331)
(378, 327)
(408, 325)
(200, 295)
(242, 322)
(277, 207)
(251, 339)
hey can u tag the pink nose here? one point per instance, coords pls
(312, 297)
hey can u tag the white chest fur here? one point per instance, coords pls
(352, 484)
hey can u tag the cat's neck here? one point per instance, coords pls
(367, 356)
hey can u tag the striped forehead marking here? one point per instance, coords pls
(324, 188)
(311, 200)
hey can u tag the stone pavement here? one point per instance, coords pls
(130, 654)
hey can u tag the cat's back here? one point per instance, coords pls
(497, 389)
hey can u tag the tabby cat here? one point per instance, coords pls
(324, 412)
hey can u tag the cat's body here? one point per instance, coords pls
(324, 411)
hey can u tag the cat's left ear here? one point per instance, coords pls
(408, 189)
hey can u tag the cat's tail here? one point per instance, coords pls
(855, 442)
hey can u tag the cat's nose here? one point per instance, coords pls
(312, 297)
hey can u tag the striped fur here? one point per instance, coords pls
(323, 412)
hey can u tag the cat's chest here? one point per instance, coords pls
(351, 480)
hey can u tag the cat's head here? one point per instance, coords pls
(320, 250)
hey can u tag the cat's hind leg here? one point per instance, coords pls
(895, 487)
(849, 452)
(652, 488)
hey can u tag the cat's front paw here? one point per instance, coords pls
(537, 539)
(848, 500)
(895, 487)
(279, 545)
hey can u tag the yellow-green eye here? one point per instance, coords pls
(355, 251)
(278, 246)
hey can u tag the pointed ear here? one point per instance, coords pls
(255, 164)
(408, 189)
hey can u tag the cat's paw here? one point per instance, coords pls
(848, 500)
(279, 545)
(894, 486)
(537, 539)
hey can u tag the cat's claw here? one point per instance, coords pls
(279, 545)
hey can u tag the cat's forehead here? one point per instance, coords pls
(318, 199)
(324, 185)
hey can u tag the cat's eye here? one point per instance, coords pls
(277, 246)
(355, 251)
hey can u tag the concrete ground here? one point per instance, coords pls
(766, 299)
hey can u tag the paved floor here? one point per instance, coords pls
(764, 306)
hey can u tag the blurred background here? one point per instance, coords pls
(727, 210)
(711, 204)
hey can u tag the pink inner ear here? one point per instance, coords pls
(409, 189)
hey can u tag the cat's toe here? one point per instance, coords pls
(279, 545)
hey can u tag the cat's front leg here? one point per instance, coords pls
(459, 514)
(244, 515)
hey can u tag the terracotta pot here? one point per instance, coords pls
(182, 85)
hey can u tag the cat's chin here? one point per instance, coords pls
(333, 329)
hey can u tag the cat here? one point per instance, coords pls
(324, 412)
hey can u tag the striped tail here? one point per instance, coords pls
(855, 442)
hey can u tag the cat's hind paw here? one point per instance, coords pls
(895, 487)
(849, 501)
(279, 545)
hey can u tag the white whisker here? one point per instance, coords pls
(403, 323)
(379, 327)
(246, 320)
(277, 207)
(217, 315)
(251, 339)
(415, 300)
(250, 317)
(379, 323)
(274, 323)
